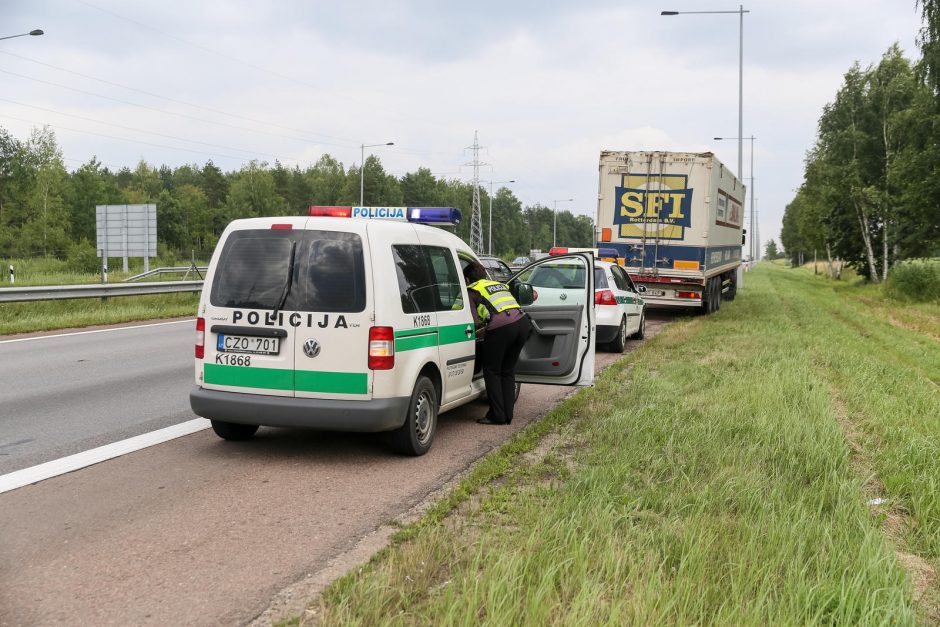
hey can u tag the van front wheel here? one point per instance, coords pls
(233, 430)
(415, 436)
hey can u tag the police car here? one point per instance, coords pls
(357, 319)
(620, 308)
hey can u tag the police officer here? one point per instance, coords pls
(506, 329)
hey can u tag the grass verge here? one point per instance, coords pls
(35, 316)
(711, 476)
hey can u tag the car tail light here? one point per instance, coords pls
(687, 295)
(281, 227)
(200, 338)
(535, 295)
(604, 297)
(381, 348)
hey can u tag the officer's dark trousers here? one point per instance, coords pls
(499, 354)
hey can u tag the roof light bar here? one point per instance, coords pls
(421, 215)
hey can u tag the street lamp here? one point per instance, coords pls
(555, 217)
(490, 229)
(752, 234)
(741, 13)
(34, 33)
(362, 167)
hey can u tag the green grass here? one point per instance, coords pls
(35, 316)
(718, 474)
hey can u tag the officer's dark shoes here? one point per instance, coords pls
(486, 420)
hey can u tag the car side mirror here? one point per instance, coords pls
(522, 292)
(641, 289)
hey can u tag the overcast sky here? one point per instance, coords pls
(547, 84)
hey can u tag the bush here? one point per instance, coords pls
(915, 279)
(83, 257)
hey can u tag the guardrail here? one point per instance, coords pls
(184, 270)
(98, 290)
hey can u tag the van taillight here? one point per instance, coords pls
(381, 348)
(200, 338)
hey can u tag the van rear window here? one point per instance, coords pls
(328, 276)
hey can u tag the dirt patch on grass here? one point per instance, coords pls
(894, 523)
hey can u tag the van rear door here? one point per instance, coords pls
(246, 347)
(332, 311)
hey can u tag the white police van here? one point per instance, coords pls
(357, 319)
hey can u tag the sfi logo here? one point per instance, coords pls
(653, 206)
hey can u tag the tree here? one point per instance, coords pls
(770, 250)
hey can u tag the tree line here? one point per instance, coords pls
(45, 210)
(871, 188)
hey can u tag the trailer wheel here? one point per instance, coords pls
(717, 293)
(707, 291)
(732, 287)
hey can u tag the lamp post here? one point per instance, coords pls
(741, 13)
(555, 218)
(362, 167)
(752, 234)
(34, 33)
(489, 246)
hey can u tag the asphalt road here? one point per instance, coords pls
(66, 393)
(196, 531)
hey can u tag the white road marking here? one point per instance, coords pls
(139, 326)
(41, 472)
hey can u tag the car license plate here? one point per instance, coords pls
(655, 293)
(248, 344)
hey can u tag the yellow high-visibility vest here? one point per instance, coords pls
(496, 297)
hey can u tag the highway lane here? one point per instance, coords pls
(199, 531)
(66, 393)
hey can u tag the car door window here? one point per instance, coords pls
(600, 278)
(624, 279)
(557, 281)
(427, 279)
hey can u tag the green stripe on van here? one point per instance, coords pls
(411, 339)
(332, 382)
(283, 379)
(456, 333)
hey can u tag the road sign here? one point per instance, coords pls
(126, 231)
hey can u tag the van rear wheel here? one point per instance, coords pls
(415, 436)
(233, 430)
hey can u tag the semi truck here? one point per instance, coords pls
(676, 221)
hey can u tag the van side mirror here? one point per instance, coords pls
(522, 292)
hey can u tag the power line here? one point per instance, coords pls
(165, 112)
(140, 130)
(352, 143)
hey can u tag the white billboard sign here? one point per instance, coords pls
(127, 231)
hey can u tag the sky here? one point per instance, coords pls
(546, 85)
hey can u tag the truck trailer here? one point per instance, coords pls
(676, 220)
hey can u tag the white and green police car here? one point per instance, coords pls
(357, 319)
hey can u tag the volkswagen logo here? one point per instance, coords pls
(563, 296)
(311, 348)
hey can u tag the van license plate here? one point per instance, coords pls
(655, 293)
(248, 344)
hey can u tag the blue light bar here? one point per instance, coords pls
(607, 253)
(434, 215)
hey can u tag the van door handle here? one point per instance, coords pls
(468, 331)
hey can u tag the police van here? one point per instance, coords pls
(357, 319)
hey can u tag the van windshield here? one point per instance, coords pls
(329, 273)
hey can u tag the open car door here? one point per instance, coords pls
(558, 294)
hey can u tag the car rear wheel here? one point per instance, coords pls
(620, 342)
(233, 431)
(641, 331)
(415, 436)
